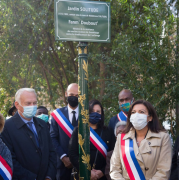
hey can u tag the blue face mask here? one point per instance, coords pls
(94, 118)
(29, 111)
(44, 117)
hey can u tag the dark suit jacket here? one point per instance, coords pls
(60, 142)
(113, 121)
(29, 161)
(175, 161)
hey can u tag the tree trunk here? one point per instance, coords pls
(102, 79)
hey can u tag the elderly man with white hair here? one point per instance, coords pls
(28, 139)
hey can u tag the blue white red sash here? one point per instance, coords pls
(98, 142)
(5, 169)
(63, 122)
(132, 166)
(122, 116)
(68, 129)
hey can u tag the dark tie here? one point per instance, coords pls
(35, 135)
(73, 119)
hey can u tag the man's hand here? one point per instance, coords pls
(94, 176)
(98, 173)
(66, 162)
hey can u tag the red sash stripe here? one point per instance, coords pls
(125, 158)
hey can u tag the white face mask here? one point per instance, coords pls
(139, 121)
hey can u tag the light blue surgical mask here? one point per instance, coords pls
(29, 111)
(44, 117)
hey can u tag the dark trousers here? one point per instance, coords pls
(64, 174)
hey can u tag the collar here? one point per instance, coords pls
(70, 109)
(150, 134)
(24, 120)
(18, 120)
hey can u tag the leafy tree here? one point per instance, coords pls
(140, 57)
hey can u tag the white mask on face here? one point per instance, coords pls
(139, 121)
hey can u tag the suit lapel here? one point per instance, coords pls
(38, 125)
(144, 147)
(65, 112)
(131, 135)
(29, 134)
(23, 127)
(137, 152)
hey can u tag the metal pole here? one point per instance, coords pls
(83, 126)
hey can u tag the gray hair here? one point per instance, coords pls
(20, 91)
(120, 123)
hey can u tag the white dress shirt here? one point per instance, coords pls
(70, 114)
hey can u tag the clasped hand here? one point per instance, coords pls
(96, 174)
(66, 162)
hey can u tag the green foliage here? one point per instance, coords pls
(140, 57)
(4, 102)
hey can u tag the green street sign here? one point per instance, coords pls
(88, 21)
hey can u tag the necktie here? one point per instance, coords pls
(35, 135)
(73, 119)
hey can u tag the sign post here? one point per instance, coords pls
(83, 120)
(83, 21)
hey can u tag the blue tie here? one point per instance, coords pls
(35, 135)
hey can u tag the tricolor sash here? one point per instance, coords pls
(5, 169)
(132, 166)
(98, 142)
(68, 129)
(63, 122)
(122, 116)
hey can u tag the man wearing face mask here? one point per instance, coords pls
(62, 119)
(42, 113)
(29, 141)
(125, 100)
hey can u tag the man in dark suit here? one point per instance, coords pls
(28, 139)
(59, 137)
(125, 100)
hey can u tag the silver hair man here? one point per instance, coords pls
(119, 127)
(20, 91)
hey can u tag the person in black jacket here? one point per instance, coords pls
(96, 122)
(175, 161)
(42, 113)
(28, 139)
